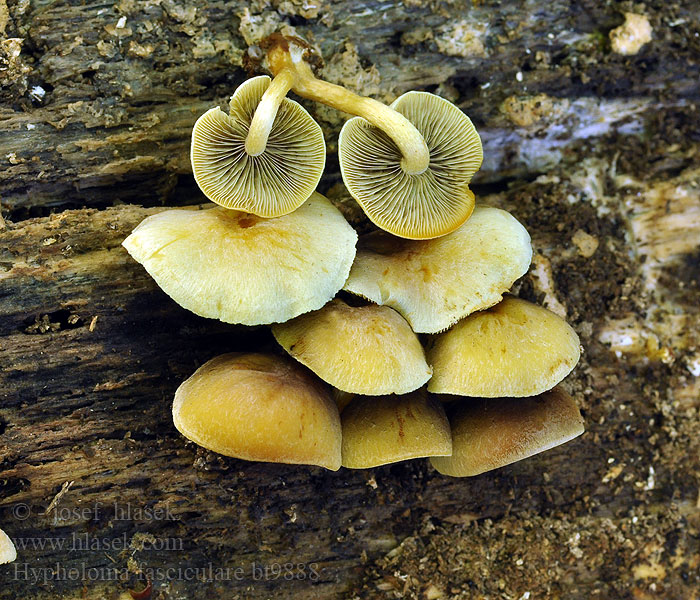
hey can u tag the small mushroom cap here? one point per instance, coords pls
(239, 268)
(491, 433)
(271, 184)
(8, 552)
(259, 407)
(421, 206)
(435, 283)
(378, 431)
(368, 350)
(513, 349)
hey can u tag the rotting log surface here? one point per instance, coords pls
(598, 156)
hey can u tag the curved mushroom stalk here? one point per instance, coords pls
(408, 165)
(422, 205)
(269, 174)
(287, 57)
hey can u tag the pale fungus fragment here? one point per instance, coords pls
(269, 171)
(239, 268)
(8, 552)
(513, 349)
(383, 430)
(628, 38)
(491, 433)
(368, 350)
(260, 407)
(434, 283)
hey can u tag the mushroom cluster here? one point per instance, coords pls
(401, 348)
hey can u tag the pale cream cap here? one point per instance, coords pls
(434, 283)
(240, 268)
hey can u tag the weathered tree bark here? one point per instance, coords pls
(597, 154)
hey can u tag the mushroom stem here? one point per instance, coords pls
(290, 56)
(265, 113)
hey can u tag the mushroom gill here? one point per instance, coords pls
(272, 183)
(421, 205)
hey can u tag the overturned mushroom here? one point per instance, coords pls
(361, 350)
(269, 174)
(434, 283)
(413, 205)
(378, 431)
(407, 165)
(239, 268)
(515, 348)
(491, 433)
(8, 552)
(259, 407)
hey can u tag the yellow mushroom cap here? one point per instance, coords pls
(259, 407)
(378, 431)
(271, 184)
(421, 206)
(434, 283)
(367, 350)
(8, 552)
(239, 268)
(491, 433)
(515, 348)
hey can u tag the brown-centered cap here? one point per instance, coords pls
(488, 433)
(368, 350)
(418, 206)
(8, 552)
(434, 283)
(240, 268)
(260, 407)
(388, 429)
(515, 348)
(270, 184)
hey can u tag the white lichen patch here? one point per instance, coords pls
(543, 282)
(665, 218)
(693, 364)
(462, 38)
(308, 9)
(587, 244)
(544, 131)
(628, 38)
(256, 27)
(632, 337)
